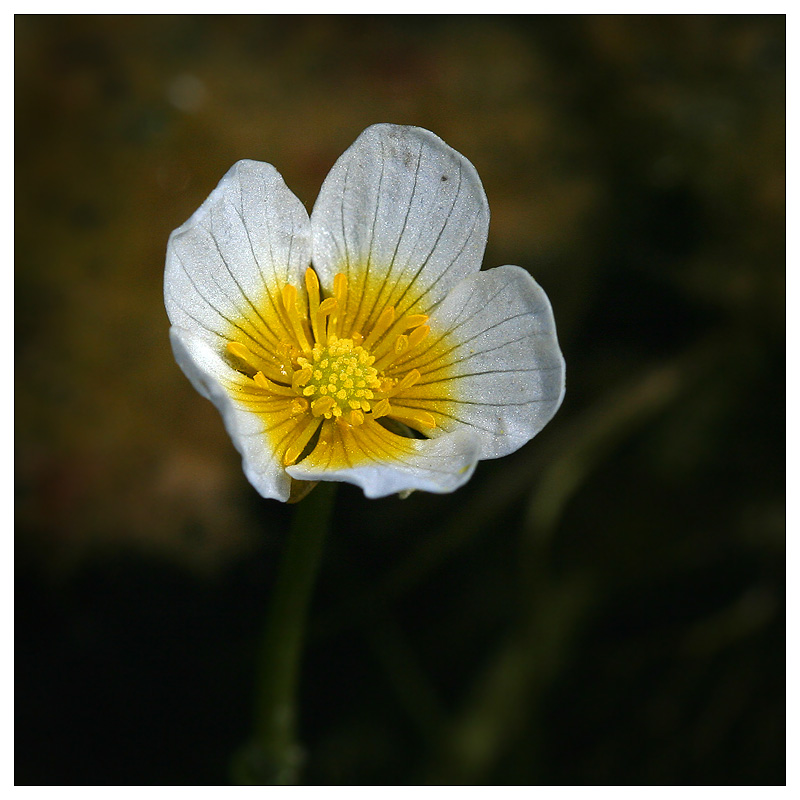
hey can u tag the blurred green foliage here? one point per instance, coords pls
(604, 606)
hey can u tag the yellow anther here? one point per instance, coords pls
(417, 335)
(276, 388)
(340, 293)
(381, 408)
(326, 308)
(240, 351)
(312, 287)
(312, 282)
(243, 354)
(413, 417)
(300, 378)
(328, 305)
(299, 406)
(295, 449)
(322, 406)
(286, 354)
(400, 347)
(407, 381)
(415, 320)
(356, 417)
(340, 286)
(406, 323)
(289, 296)
(382, 325)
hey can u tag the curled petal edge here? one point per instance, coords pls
(206, 371)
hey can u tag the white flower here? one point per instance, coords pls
(393, 362)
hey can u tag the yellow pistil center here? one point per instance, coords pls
(322, 368)
(338, 378)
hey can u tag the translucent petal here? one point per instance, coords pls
(493, 366)
(382, 463)
(249, 431)
(404, 216)
(231, 258)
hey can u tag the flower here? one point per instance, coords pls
(363, 344)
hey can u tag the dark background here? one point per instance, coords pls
(606, 605)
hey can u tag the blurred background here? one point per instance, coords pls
(605, 606)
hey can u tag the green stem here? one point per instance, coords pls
(274, 755)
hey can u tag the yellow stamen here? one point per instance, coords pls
(326, 308)
(322, 406)
(294, 450)
(407, 323)
(239, 350)
(341, 372)
(299, 406)
(417, 335)
(400, 346)
(406, 382)
(381, 408)
(300, 378)
(312, 287)
(243, 354)
(323, 371)
(413, 417)
(383, 324)
(415, 320)
(289, 295)
(270, 386)
(340, 293)
(285, 356)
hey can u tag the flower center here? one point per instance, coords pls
(326, 368)
(341, 377)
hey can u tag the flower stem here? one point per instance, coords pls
(274, 755)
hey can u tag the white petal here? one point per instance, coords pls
(212, 377)
(250, 235)
(503, 376)
(435, 465)
(404, 216)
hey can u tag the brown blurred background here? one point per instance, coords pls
(604, 606)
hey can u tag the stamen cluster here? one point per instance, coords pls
(327, 371)
(338, 377)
